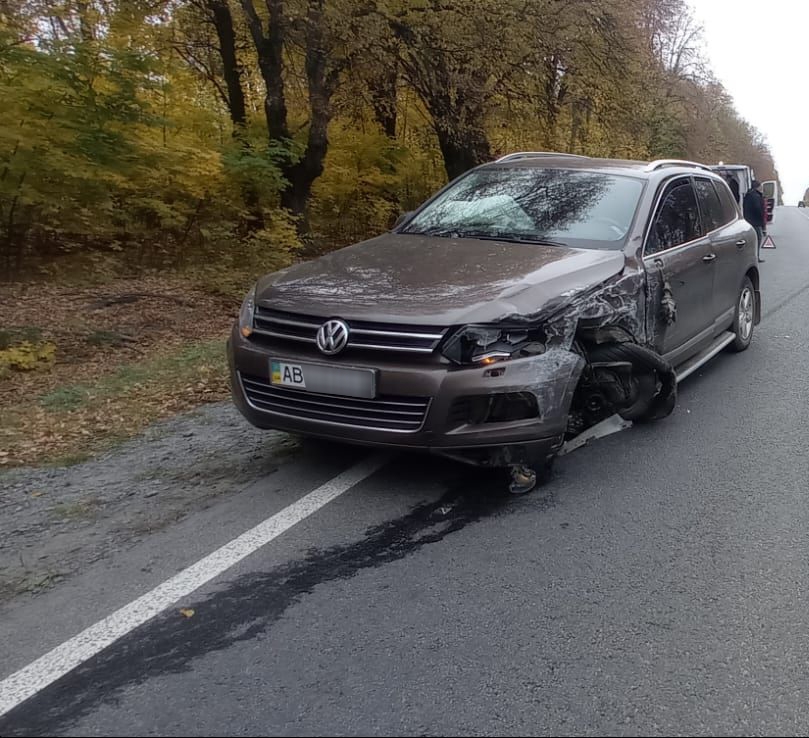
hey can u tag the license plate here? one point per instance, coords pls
(324, 379)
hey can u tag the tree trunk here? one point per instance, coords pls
(270, 49)
(321, 82)
(223, 22)
(462, 146)
(383, 99)
(302, 174)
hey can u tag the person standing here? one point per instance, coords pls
(755, 212)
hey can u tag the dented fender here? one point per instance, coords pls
(619, 304)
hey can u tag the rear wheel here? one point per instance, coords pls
(745, 318)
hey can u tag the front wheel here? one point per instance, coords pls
(745, 317)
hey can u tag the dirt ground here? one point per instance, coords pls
(123, 355)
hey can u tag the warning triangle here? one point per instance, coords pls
(768, 243)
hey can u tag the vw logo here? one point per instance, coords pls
(332, 337)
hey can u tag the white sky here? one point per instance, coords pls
(759, 50)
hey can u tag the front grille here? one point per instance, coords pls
(388, 412)
(362, 335)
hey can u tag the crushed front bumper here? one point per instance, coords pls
(428, 392)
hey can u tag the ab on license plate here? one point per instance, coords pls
(287, 375)
(323, 379)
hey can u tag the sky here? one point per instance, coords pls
(759, 50)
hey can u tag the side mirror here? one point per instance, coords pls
(402, 218)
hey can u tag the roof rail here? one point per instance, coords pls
(535, 154)
(660, 163)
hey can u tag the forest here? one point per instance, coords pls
(229, 137)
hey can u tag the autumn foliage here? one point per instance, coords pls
(223, 135)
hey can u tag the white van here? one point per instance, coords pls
(744, 176)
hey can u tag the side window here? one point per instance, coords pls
(677, 219)
(709, 206)
(730, 210)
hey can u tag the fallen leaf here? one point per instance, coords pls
(187, 612)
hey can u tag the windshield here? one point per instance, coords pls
(558, 206)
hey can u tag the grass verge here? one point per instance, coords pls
(70, 422)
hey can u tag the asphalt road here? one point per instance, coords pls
(659, 585)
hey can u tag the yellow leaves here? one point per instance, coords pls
(187, 612)
(101, 390)
(28, 356)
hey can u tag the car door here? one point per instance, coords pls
(770, 190)
(679, 252)
(732, 244)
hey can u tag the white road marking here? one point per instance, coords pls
(29, 680)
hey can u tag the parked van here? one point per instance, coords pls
(740, 178)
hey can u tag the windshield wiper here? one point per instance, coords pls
(443, 232)
(434, 231)
(511, 237)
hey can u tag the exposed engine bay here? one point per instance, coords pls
(623, 378)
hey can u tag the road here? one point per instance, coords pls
(659, 585)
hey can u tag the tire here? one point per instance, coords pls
(665, 400)
(744, 319)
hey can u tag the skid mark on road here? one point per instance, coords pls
(59, 661)
(251, 604)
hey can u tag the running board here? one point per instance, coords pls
(690, 366)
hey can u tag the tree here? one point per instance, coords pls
(447, 55)
(313, 29)
(216, 60)
(184, 132)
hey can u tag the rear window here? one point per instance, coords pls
(569, 207)
(730, 208)
(709, 205)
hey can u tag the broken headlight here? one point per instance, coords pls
(486, 344)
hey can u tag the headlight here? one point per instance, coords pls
(486, 344)
(246, 313)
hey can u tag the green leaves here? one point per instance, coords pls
(125, 130)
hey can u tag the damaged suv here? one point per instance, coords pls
(528, 300)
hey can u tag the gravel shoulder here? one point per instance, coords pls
(59, 520)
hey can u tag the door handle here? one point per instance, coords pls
(709, 257)
(741, 243)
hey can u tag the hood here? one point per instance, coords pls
(426, 280)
